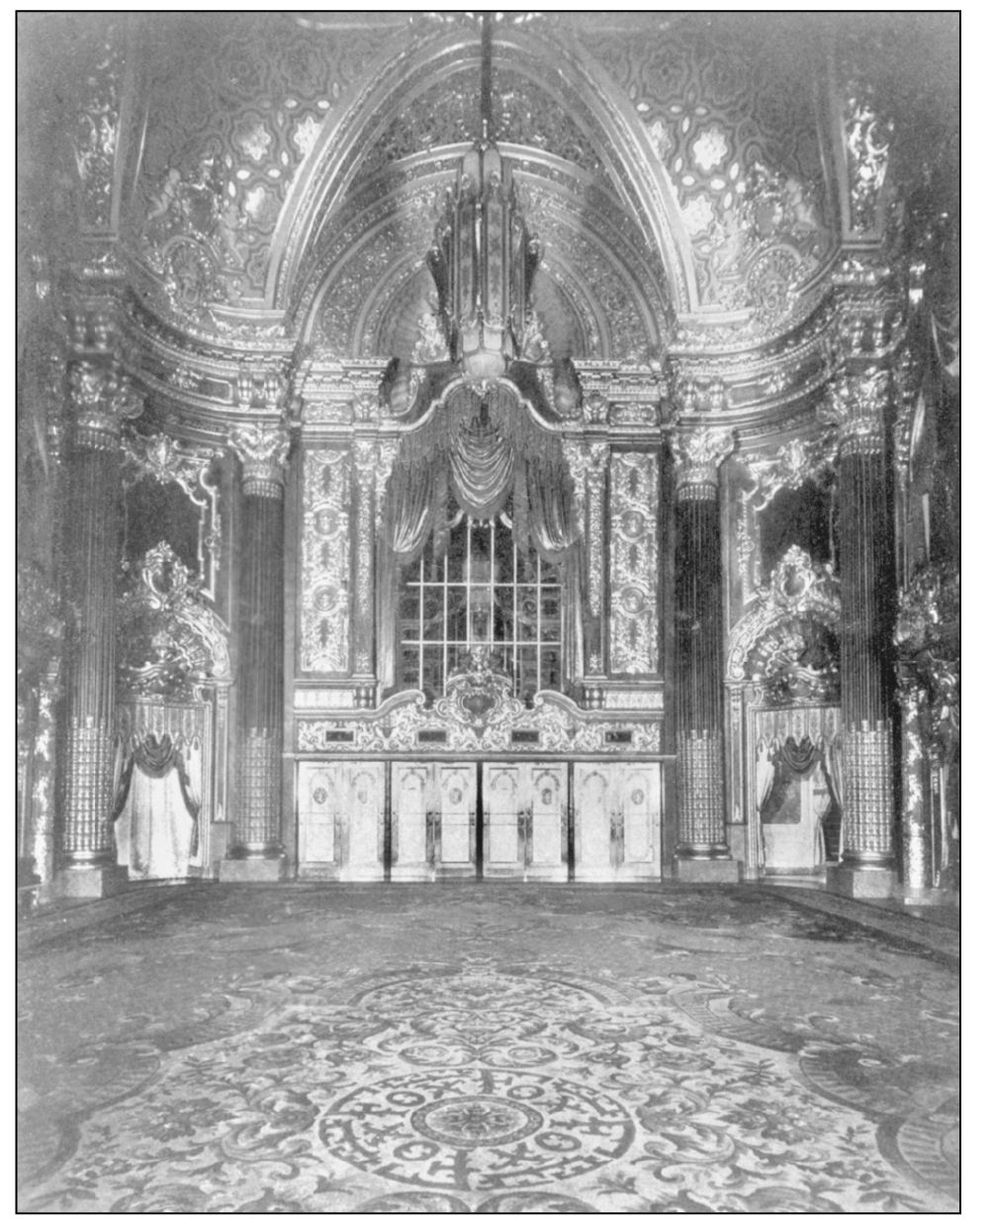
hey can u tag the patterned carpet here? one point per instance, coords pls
(485, 1047)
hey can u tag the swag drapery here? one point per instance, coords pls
(478, 450)
(155, 817)
(780, 763)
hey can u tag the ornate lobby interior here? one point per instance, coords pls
(488, 518)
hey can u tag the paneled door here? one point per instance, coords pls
(636, 793)
(546, 835)
(412, 822)
(616, 822)
(505, 806)
(341, 821)
(592, 823)
(362, 833)
(457, 794)
(525, 815)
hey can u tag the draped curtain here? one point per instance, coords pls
(480, 450)
(780, 763)
(156, 808)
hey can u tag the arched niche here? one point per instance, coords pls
(782, 685)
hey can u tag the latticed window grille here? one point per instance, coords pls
(482, 591)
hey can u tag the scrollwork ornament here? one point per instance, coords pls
(697, 457)
(263, 450)
(171, 642)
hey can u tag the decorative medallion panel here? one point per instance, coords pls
(324, 631)
(633, 644)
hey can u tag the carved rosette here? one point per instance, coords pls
(856, 406)
(262, 449)
(102, 399)
(697, 457)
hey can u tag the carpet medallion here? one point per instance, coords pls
(486, 1048)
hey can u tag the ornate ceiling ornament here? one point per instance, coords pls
(102, 399)
(697, 457)
(171, 642)
(856, 405)
(263, 450)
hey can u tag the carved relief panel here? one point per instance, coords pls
(634, 564)
(324, 632)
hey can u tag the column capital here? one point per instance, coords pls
(697, 456)
(262, 448)
(102, 398)
(856, 404)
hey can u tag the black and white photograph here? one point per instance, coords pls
(488, 546)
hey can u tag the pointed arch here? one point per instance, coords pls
(562, 71)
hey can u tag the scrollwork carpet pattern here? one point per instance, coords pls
(484, 1047)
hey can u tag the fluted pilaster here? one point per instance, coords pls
(866, 575)
(262, 450)
(101, 400)
(699, 649)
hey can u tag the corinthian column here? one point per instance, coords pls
(257, 851)
(702, 849)
(101, 400)
(866, 576)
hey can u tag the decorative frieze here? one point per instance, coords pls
(262, 449)
(633, 563)
(553, 725)
(325, 606)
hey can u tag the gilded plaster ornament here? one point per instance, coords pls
(263, 450)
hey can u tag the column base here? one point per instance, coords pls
(930, 896)
(693, 870)
(253, 869)
(861, 883)
(89, 881)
